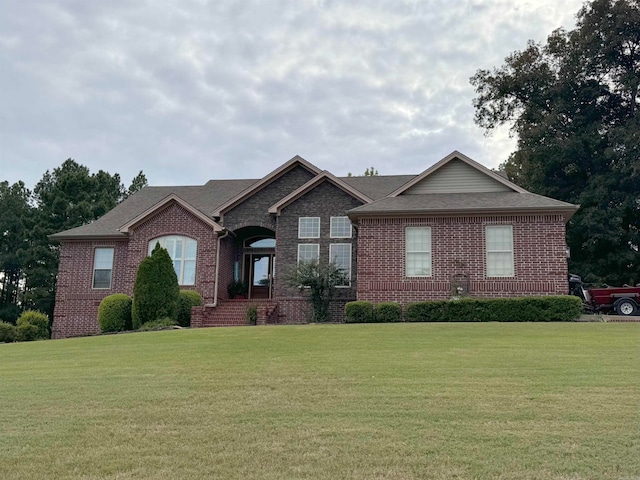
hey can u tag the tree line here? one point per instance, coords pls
(573, 105)
(67, 197)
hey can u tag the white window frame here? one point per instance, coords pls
(491, 251)
(306, 228)
(411, 252)
(183, 260)
(348, 266)
(302, 246)
(336, 224)
(99, 266)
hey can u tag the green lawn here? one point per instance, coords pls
(392, 401)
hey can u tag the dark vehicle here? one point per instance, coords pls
(623, 300)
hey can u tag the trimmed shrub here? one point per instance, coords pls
(359, 312)
(386, 312)
(188, 299)
(159, 324)
(114, 313)
(155, 292)
(8, 332)
(40, 323)
(563, 308)
(26, 333)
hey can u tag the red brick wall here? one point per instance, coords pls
(458, 248)
(76, 310)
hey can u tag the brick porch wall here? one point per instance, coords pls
(458, 248)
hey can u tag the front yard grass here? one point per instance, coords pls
(385, 401)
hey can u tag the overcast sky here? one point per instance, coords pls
(190, 90)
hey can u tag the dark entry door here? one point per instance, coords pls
(261, 275)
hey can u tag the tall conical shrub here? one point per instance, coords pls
(156, 292)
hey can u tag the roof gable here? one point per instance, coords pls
(260, 184)
(128, 227)
(324, 176)
(457, 173)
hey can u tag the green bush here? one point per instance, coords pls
(563, 308)
(114, 313)
(252, 315)
(386, 312)
(155, 292)
(159, 324)
(38, 320)
(8, 332)
(188, 299)
(359, 312)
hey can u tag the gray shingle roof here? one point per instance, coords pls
(208, 197)
(203, 197)
(379, 186)
(439, 203)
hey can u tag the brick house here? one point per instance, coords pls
(457, 228)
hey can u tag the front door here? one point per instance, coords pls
(261, 267)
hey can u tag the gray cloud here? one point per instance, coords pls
(192, 90)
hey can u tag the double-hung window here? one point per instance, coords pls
(102, 267)
(309, 227)
(499, 243)
(418, 251)
(340, 255)
(182, 251)
(340, 227)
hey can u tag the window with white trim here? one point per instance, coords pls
(340, 255)
(418, 251)
(102, 267)
(308, 252)
(182, 251)
(499, 244)
(340, 227)
(309, 227)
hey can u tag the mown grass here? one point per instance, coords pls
(388, 401)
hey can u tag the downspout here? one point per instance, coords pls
(215, 292)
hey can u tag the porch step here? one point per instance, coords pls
(234, 312)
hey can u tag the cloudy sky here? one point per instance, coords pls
(189, 90)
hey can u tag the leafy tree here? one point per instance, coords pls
(320, 278)
(15, 211)
(156, 293)
(573, 105)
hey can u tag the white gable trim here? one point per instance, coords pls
(459, 156)
(128, 227)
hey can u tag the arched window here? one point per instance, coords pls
(182, 251)
(260, 242)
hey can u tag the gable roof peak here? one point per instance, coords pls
(457, 156)
(266, 180)
(323, 176)
(127, 227)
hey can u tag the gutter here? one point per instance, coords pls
(215, 291)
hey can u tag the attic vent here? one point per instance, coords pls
(460, 285)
